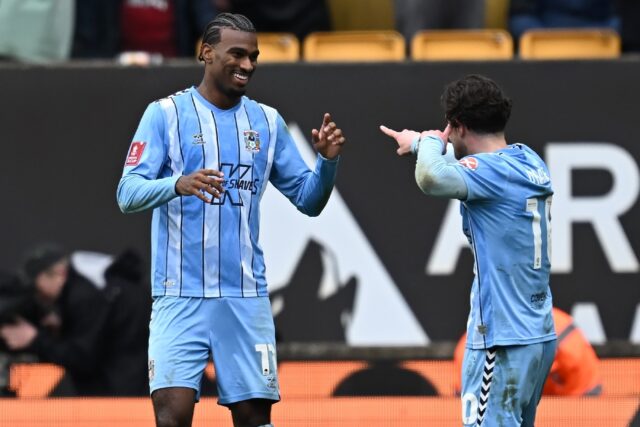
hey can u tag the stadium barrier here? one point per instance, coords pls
(336, 385)
(329, 412)
(323, 379)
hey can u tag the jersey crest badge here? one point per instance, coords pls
(135, 153)
(469, 163)
(251, 141)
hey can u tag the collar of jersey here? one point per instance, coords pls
(211, 106)
(511, 149)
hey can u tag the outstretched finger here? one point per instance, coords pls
(326, 119)
(390, 132)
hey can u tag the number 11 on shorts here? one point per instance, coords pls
(264, 350)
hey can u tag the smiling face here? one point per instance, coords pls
(230, 64)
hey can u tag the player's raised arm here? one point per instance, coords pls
(433, 175)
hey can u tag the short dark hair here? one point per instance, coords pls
(40, 257)
(478, 103)
(235, 21)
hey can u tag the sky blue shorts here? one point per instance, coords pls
(238, 333)
(502, 386)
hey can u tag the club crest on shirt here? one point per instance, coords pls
(135, 153)
(469, 163)
(251, 141)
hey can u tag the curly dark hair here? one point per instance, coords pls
(478, 103)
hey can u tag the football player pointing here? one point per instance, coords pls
(505, 194)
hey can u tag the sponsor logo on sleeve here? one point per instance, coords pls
(135, 153)
(469, 163)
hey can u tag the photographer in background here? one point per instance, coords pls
(70, 329)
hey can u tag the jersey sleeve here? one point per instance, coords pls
(435, 173)
(308, 190)
(485, 176)
(139, 188)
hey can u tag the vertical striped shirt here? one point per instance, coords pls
(507, 218)
(212, 250)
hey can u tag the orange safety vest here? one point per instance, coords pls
(575, 370)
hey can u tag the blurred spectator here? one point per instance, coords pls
(575, 370)
(300, 17)
(16, 299)
(531, 14)
(415, 15)
(36, 31)
(127, 330)
(70, 331)
(105, 28)
(98, 335)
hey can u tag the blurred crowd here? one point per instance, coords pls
(58, 30)
(85, 312)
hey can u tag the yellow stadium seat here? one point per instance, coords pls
(278, 47)
(570, 44)
(471, 45)
(354, 46)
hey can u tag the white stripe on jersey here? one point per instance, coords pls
(271, 114)
(212, 212)
(246, 248)
(173, 278)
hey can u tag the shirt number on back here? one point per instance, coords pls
(532, 206)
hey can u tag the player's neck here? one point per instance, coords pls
(487, 143)
(216, 97)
